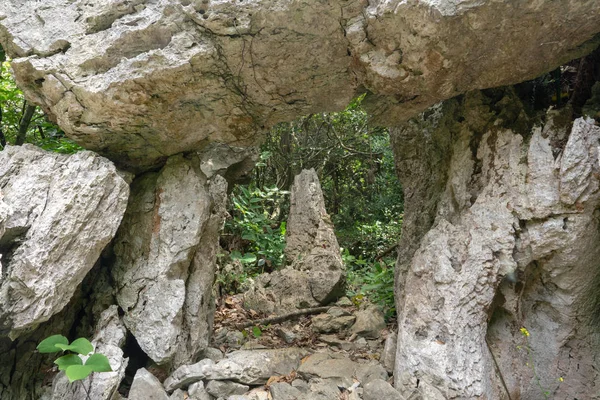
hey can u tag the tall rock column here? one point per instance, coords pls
(166, 254)
(311, 244)
(508, 219)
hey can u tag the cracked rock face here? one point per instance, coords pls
(165, 258)
(509, 246)
(57, 213)
(139, 81)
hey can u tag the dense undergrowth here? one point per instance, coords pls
(355, 166)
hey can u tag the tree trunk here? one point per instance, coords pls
(2, 137)
(499, 233)
(28, 110)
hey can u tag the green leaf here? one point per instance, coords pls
(249, 236)
(248, 258)
(78, 372)
(49, 345)
(81, 346)
(256, 331)
(65, 362)
(98, 363)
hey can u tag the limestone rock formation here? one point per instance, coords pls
(316, 274)
(57, 214)
(500, 229)
(504, 243)
(140, 81)
(145, 386)
(165, 259)
(311, 244)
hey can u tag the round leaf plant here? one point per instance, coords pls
(72, 363)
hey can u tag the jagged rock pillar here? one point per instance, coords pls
(501, 221)
(315, 274)
(166, 253)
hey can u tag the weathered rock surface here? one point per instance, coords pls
(248, 367)
(379, 389)
(311, 244)
(327, 323)
(188, 374)
(255, 367)
(317, 274)
(57, 214)
(369, 323)
(164, 275)
(339, 369)
(197, 391)
(285, 391)
(225, 388)
(141, 81)
(388, 356)
(145, 386)
(505, 242)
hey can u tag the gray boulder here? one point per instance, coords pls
(188, 374)
(316, 275)
(327, 323)
(255, 367)
(225, 388)
(378, 389)
(197, 391)
(285, 391)
(248, 367)
(145, 386)
(311, 244)
(57, 213)
(340, 370)
(388, 356)
(369, 323)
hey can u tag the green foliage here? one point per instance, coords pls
(256, 331)
(49, 345)
(72, 363)
(371, 280)
(65, 362)
(254, 220)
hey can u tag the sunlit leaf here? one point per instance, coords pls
(67, 360)
(78, 372)
(81, 346)
(98, 363)
(49, 345)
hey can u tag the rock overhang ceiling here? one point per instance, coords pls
(138, 81)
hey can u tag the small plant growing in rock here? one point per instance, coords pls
(74, 363)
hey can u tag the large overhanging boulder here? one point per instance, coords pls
(139, 81)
